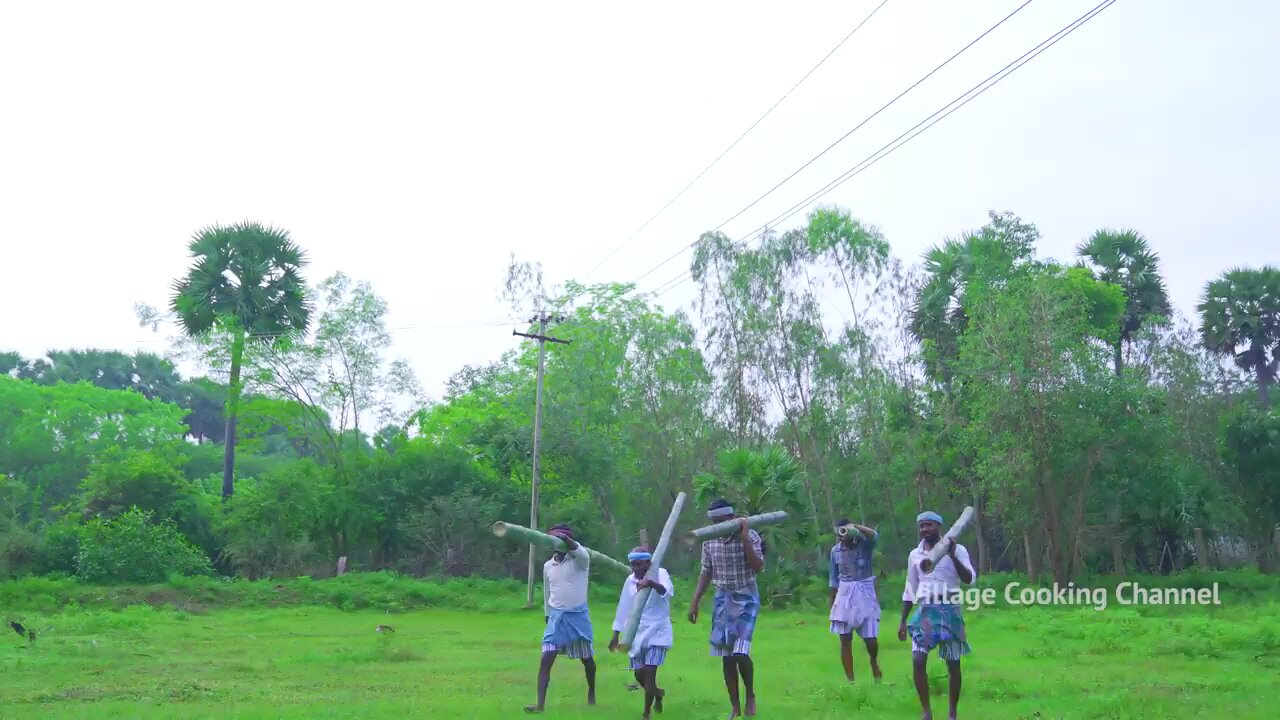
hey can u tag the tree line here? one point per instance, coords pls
(1092, 428)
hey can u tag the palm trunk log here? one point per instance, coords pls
(729, 527)
(524, 535)
(642, 597)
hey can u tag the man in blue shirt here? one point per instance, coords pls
(854, 606)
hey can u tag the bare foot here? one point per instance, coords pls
(657, 702)
(735, 713)
(751, 706)
(875, 672)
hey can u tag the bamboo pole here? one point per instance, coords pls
(524, 535)
(940, 549)
(642, 597)
(729, 527)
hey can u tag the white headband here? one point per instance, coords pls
(720, 512)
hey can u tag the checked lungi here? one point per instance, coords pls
(651, 656)
(939, 625)
(856, 609)
(569, 632)
(734, 621)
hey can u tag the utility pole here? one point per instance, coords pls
(542, 338)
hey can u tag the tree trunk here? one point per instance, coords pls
(233, 407)
(1117, 544)
(1033, 572)
(1202, 550)
(1264, 382)
(1119, 350)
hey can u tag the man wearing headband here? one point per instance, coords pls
(731, 563)
(937, 620)
(564, 597)
(654, 635)
(854, 605)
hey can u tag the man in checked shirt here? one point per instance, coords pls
(731, 563)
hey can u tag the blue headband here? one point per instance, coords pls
(929, 515)
(632, 557)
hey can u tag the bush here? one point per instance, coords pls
(59, 548)
(150, 482)
(131, 548)
(19, 552)
(269, 522)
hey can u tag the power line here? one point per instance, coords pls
(938, 116)
(842, 138)
(734, 144)
(392, 330)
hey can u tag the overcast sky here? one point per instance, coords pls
(417, 145)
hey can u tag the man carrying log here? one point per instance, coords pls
(937, 620)
(654, 634)
(568, 631)
(854, 605)
(732, 562)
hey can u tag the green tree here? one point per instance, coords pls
(1123, 257)
(52, 435)
(1240, 318)
(940, 317)
(1041, 405)
(246, 280)
(1251, 447)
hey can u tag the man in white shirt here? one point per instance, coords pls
(568, 631)
(653, 635)
(937, 620)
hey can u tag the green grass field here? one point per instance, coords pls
(306, 661)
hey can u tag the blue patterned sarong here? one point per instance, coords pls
(569, 632)
(940, 626)
(734, 621)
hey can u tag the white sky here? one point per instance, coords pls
(416, 145)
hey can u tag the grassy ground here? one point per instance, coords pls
(322, 662)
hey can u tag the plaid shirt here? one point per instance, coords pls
(724, 559)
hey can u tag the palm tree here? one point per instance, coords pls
(245, 280)
(939, 314)
(1242, 308)
(1123, 258)
(754, 481)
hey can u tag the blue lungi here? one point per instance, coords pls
(569, 632)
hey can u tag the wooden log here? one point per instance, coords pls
(729, 527)
(655, 564)
(524, 535)
(940, 549)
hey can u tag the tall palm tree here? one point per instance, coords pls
(1122, 257)
(245, 279)
(1242, 309)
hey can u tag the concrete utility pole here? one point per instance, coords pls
(543, 339)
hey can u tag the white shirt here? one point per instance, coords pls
(943, 582)
(655, 622)
(564, 582)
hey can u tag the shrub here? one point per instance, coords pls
(131, 548)
(270, 521)
(19, 552)
(59, 548)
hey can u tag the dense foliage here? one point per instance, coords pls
(1092, 428)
